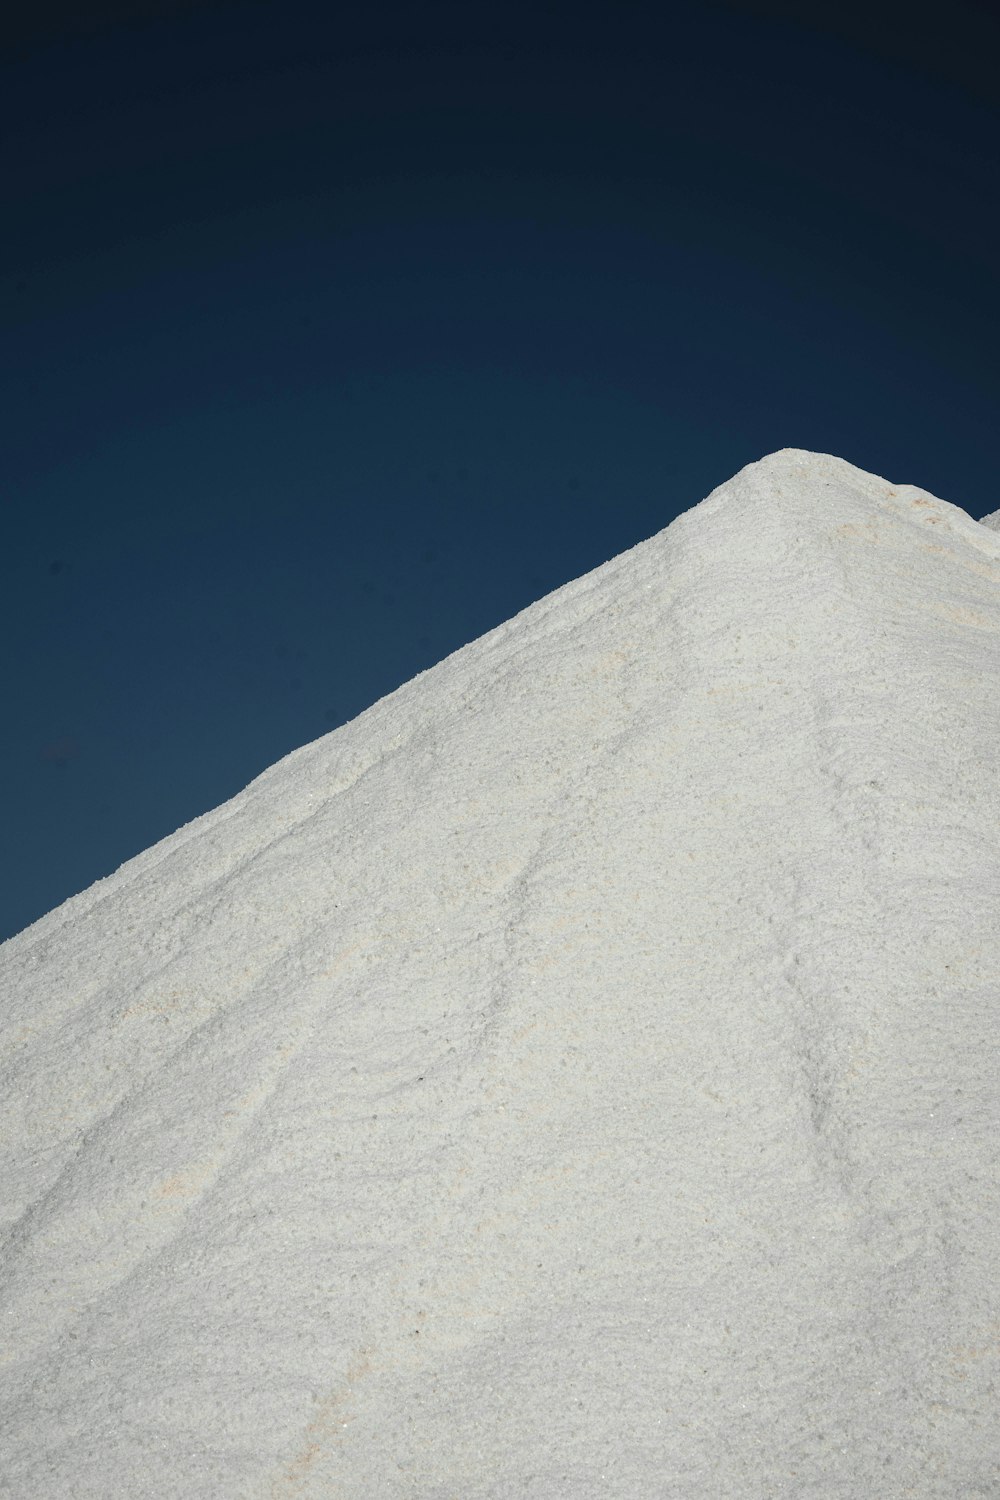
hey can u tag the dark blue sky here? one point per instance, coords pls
(335, 335)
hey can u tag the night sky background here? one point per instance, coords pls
(336, 335)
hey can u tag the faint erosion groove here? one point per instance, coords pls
(842, 707)
(386, 1345)
(564, 810)
(169, 1140)
(813, 933)
(836, 954)
(785, 559)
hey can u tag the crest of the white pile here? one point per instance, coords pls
(577, 1077)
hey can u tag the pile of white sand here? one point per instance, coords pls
(577, 1077)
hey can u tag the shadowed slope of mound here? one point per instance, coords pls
(573, 1077)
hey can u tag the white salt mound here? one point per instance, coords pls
(577, 1077)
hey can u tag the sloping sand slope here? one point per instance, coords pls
(577, 1077)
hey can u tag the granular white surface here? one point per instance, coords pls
(577, 1077)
